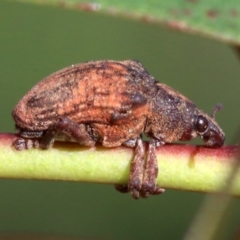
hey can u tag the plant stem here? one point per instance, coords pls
(185, 167)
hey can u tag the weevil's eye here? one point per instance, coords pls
(201, 124)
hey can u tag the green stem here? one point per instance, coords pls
(184, 167)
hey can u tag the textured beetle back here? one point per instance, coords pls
(92, 91)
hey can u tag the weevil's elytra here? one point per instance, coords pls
(112, 103)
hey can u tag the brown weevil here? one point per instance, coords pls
(112, 103)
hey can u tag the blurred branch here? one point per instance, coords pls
(208, 18)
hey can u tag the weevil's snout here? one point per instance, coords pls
(209, 131)
(214, 139)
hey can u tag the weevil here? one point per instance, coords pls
(112, 103)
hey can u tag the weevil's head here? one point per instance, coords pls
(207, 128)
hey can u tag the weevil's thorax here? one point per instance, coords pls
(171, 116)
(174, 117)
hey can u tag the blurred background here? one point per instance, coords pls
(35, 41)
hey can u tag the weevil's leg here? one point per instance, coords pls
(48, 139)
(28, 140)
(149, 185)
(67, 126)
(23, 144)
(116, 135)
(136, 170)
(149, 177)
(124, 188)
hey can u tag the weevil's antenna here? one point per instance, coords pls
(217, 108)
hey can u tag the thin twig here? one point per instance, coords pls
(185, 167)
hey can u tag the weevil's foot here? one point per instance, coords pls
(121, 188)
(24, 144)
(145, 192)
(158, 191)
(125, 189)
(136, 193)
(151, 189)
(134, 187)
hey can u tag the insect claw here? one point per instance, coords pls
(121, 188)
(158, 190)
(135, 194)
(144, 194)
(19, 144)
(23, 144)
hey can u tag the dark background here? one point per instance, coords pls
(36, 41)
